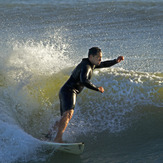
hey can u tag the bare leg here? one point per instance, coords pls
(63, 124)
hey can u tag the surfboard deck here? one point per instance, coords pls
(73, 148)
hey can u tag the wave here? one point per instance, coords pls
(128, 96)
(30, 79)
(30, 108)
(34, 64)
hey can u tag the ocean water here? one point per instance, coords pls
(42, 41)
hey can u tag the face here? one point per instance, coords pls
(96, 60)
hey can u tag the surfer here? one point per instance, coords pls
(79, 79)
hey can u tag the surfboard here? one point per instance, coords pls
(73, 148)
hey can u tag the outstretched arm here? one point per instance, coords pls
(110, 62)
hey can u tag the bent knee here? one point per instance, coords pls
(69, 113)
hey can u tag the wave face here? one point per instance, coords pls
(132, 102)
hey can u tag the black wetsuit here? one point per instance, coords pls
(79, 79)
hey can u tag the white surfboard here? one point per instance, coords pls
(74, 148)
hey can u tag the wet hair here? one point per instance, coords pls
(94, 51)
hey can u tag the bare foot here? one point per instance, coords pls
(58, 141)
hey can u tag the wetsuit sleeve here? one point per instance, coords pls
(107, 64)
(84, 78)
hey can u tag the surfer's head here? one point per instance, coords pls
(95, 55)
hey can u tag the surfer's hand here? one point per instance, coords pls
(101, 89)
(120, 58)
